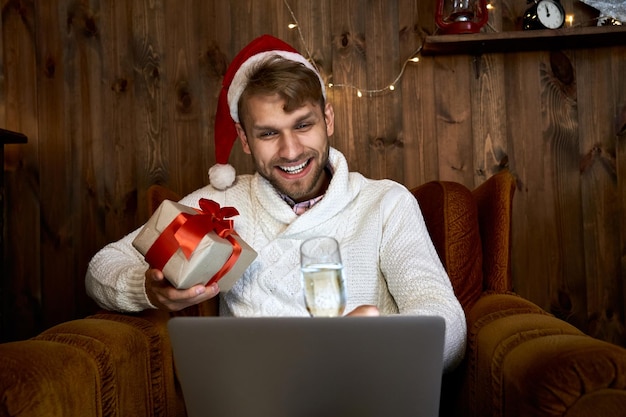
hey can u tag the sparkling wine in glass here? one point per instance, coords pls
(322, 276)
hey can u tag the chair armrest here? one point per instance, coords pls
(43, 378)
(106, 364)
(524, 361)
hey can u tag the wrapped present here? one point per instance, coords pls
(195, 246)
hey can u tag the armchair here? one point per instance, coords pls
(520, 360)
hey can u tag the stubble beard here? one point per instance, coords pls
(295, 190)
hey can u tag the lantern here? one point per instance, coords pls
(461, 16)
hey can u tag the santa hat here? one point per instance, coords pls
(222, 175)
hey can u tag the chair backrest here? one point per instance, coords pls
(471, 231)
(494, 199)
(451, 217)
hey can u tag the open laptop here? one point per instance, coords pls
(309, 367)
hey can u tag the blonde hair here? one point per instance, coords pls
(296, 84)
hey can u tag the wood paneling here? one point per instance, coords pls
(600, 98)
(115, 96)
(22, 275)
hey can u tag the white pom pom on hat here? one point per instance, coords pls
(222, 175)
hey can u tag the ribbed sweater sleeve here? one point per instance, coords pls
(115, 277)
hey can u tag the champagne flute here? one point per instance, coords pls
(322, 276)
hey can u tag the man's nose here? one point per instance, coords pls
(290, 146)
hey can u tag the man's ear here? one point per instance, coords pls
(243, 138)
(329, 117)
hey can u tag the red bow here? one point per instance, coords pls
(187, 230)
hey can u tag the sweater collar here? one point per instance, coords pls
(276, 213)
(300, 208)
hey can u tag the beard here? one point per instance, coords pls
(299, 189)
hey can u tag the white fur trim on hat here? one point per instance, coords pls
(222, 176)
(240, 80)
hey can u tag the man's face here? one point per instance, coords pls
(290, 150)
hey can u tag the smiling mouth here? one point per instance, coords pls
(295, 169)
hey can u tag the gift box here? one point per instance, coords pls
(195, 246)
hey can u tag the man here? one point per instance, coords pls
(274, 101)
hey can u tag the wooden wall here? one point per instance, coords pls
(117, 95)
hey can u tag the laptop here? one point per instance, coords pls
(388, 366)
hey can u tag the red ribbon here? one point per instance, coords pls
(187, 230)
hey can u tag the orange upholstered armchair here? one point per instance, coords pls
(520, 361)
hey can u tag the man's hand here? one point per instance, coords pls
(165, 296)
(364, 310)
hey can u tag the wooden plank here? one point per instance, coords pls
(600, 195)
(312, 35)
(619, 88)
(533, 238)
(488, 92)
(214, 34)
(89, 151)
(349, 72)
(383, 105)
(454, 118)
(150, 104)
(418, 139)
(560, 121)
(57, 167)
(5, 283)
(489, 121)
(188, 153)
(22, 294)
(420, 136)
(120, 205)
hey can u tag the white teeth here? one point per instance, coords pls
(295, 169)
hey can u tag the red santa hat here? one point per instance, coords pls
(222, 175)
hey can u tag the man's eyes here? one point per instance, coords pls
(270, 133)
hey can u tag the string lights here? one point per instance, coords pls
(360, 92)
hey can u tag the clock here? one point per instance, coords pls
(544, 14)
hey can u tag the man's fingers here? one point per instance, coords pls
(365, 310)
(165, 296)
(155, 275)
(212, 289)
(203, 292)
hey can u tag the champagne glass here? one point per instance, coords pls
(322, 276)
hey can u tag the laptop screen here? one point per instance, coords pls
(303, 367)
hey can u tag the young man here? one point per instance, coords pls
(274, 101)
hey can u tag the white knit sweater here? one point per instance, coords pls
(389, 259)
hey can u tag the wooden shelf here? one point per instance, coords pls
(515, 41)
(8, 136)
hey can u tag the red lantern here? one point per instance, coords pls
(461, 16)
